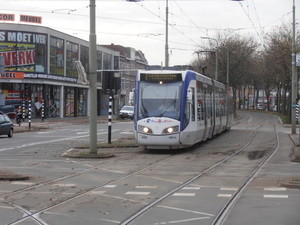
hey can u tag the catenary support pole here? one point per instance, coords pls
(93, 79)
(294, 76)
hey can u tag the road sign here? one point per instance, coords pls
(297, 59)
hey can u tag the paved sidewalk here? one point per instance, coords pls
(39, 124)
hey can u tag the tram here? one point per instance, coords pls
(177, 109)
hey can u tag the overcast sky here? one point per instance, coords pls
(141, 25)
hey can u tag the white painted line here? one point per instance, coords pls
(22, 183)
(46, 132)
(64, 185)
(136, 193)
(184, 210)
(184, 194)
(6, 207)
(224, 195)
(276, 196)
(98, 192)
(110, 186)
(182, 221)
(49, 141)
(228, 189)
(150, 187)
(86, 132)
(191, 188)
(274, 189)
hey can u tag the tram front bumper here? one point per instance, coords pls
(159, 141)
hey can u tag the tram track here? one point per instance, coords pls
(226, 209)
(35, 216)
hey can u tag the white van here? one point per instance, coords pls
(260, 106)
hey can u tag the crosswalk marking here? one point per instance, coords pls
(148, 187)
(224, 195)
(184, 194)
(110, 186)
(136, 193)
(191, 188)
(228, 189)
(274, 189)
(276, 196)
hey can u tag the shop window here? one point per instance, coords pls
(56, 56)
(71, 58)
(41, 59)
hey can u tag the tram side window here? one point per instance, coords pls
(200, 102)
(193, 104)
(208, 105)
(217, 99)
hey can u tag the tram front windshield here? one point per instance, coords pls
(159, 100)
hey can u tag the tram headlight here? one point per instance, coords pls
(144, 129)
(171, 130)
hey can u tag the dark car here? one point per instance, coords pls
(127, 112)
(6, 126)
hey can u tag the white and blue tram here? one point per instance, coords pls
(177, 109)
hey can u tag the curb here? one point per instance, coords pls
(9, 176)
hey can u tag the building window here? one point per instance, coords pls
(84, 59)
(99, 65)
(72, 57)
(41, 59)
(24, 51)
(56, 56)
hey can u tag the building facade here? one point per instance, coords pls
(40, 67)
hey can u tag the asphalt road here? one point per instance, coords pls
(64, 190)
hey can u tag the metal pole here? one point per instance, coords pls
(93, 79)
(294, 77)
(227, 72)
(23, 109)
(109, 118)
(29, 114)
(166, 46)
(43, 104)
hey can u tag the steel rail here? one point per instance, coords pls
(149, 206)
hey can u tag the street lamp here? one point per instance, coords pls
(217, 60)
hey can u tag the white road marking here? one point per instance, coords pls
(185, 210)
(136, 193)
(22, 183)
(110, 186)
(141, 186)
(49, 141)
(181, 221)
(98, 192)
(224, 195)
(64, 185)
(191, 188)
(275, 189)
(83, 132)
(184, 194)
(276, 196)
(6, 207)
(228, 189)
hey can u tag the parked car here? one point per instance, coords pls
(260, 107)
(9, 110)
(127, 112)
(6, 126)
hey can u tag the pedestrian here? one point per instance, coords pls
(19, 115)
